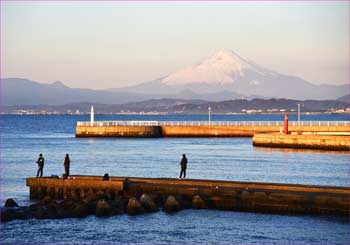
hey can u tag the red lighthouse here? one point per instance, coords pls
(286, 123)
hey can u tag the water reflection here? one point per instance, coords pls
(294, 150)
(92, 141)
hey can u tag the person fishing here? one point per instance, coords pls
(40, 163)
(66, 164)
(183, 164)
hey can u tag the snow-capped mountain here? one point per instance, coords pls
(223, 67)
(226, 71)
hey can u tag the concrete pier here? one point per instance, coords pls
(119, 131)
(73, 186)
(199, 129)
(215, 194)
(319, 142)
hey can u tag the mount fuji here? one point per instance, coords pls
(226, 73)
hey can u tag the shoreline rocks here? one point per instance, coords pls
(134, 207)
(99, 204)
(198, 203)
(10, 203)
(171, 204)
(103, 208)
(147, 203)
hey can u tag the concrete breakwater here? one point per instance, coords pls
(224, 129)
(319, 142)
(80, 196)
(119, 131)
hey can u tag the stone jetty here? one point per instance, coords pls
(80, 196)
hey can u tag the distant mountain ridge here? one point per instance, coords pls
(345, 98)
(174, 106)
(18, 91)
(222, 76)
(229, 72)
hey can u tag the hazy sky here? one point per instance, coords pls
(114, 44)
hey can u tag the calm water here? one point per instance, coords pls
(24, 137)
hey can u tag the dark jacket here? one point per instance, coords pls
(40, 161)
(66, 162)
(183, 163)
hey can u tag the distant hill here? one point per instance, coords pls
(265, 105)
(345, 98)
(224, 75)
(174, 106)
(17, 91)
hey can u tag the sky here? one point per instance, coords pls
(114, 44)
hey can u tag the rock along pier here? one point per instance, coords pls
(196, 193)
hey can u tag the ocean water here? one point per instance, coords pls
(24, 137)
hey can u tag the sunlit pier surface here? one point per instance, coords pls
(204, 128)
(201, 193)
(303, 141)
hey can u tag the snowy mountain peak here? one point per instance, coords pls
(226, 72)
(226, 57)
(223, 67)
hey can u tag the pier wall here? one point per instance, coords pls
(225, 195)
(72, 187)
(118, 131)
(195, 131)
(208, 131)
(321, 142)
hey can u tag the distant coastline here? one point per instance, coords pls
(165, 113)
(179, 106)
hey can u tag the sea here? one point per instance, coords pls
(23, 137)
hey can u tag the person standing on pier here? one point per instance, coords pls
(66, 166)
(183, 164)
(40, 163)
